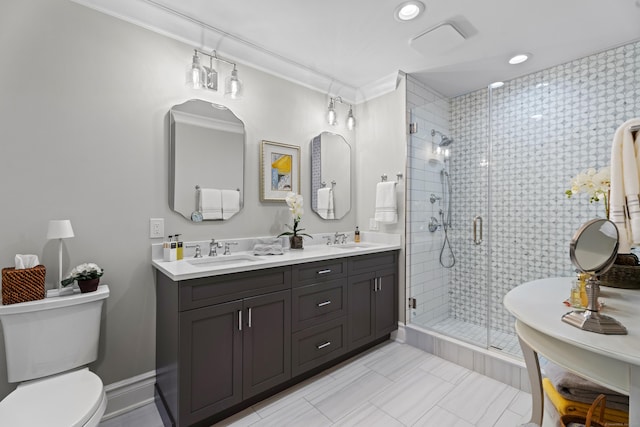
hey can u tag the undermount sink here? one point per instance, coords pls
(222, 259)
(353, 245)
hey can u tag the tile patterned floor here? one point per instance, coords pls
(391, 385)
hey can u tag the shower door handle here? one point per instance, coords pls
(477, 220)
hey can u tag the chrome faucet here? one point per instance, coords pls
(339, 238)
(198, 251)
(227, 250)
(213, 247)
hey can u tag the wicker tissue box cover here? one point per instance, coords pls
(23, 285)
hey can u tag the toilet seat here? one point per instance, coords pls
(71, 399)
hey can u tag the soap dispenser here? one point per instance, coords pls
(179, 247)
(356, 235)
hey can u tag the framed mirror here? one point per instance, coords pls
(330, 176)
(206, 150)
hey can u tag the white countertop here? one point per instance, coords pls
(314, 250)
(539, 304)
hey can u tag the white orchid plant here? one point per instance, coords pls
(86, 271)
(295, 203)
(595, 184)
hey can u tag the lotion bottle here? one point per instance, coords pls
(166, 250)
(179, 248)
(356, 235)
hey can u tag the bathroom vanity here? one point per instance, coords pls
(232, 333)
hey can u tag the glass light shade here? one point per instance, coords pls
(233, 86)
(59, 229)
(331, 114)
(195, 73)
(351, 121)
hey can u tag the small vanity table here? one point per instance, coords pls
(610, 360)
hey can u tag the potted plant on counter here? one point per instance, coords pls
(295, 203)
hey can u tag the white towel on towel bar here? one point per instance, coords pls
(325, 203)
(624, 206)
(211, 203)
(386, 205)
(230, 203)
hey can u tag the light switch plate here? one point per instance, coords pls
(156, 228)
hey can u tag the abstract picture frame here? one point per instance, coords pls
(279, 171)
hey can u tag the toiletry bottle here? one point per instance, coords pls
(173, 249)
(166, 250)
(574, 298)
(356, 235)
(179, 251)
(584, 299)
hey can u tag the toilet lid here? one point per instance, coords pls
(65, 400)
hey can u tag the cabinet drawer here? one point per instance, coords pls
(373, 262)
(197, 293)
(318, 303)
(319, 344)
(313, 272)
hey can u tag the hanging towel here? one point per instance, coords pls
(211, 203)
(325, 203)
(624, 205)
(386, 206)
(230, 203)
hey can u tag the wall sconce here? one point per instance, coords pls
(332, 117)
(200, 77)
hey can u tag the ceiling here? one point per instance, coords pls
(355, 48)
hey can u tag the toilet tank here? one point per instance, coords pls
(51, 335)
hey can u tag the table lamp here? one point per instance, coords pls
(59, 229)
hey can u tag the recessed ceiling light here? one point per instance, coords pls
(409, 10)
(496, 85)
(519, 58)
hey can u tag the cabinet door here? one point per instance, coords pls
(267, 342)
(386, 302)
(210, 361)
(361, 324)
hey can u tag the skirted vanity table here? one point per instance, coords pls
(600, 342)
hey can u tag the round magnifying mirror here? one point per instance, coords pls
(594, 247)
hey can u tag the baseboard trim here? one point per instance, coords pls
(129, 394)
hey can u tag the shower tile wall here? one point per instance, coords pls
(427, 281)
(546, 127)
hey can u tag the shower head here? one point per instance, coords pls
(444, 139)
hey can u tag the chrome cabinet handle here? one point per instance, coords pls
(379, 283)
(239, 320)
(321, 346)
(477, 220)
(324, 271)
(322, 304)
(375, 284)
(249, 316)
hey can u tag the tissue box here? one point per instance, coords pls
(23, 285)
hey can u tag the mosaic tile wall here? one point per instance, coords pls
(545, 127)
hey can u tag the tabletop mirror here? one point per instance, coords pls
(593, 251)
(207, 146)
(330, 176)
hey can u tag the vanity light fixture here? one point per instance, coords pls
(332, 117)
(200, 77)
(519, 58)
(409, 10)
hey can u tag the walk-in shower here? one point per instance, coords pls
(512, 153)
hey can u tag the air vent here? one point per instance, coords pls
(436, 41)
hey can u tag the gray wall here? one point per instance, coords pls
(83, 106)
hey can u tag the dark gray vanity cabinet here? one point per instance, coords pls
(319, 313)
(221, 340)
(373, 297)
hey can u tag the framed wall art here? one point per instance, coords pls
(279, 171)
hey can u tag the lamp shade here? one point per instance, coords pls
(59, 229)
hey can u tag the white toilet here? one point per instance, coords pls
(47, 345)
